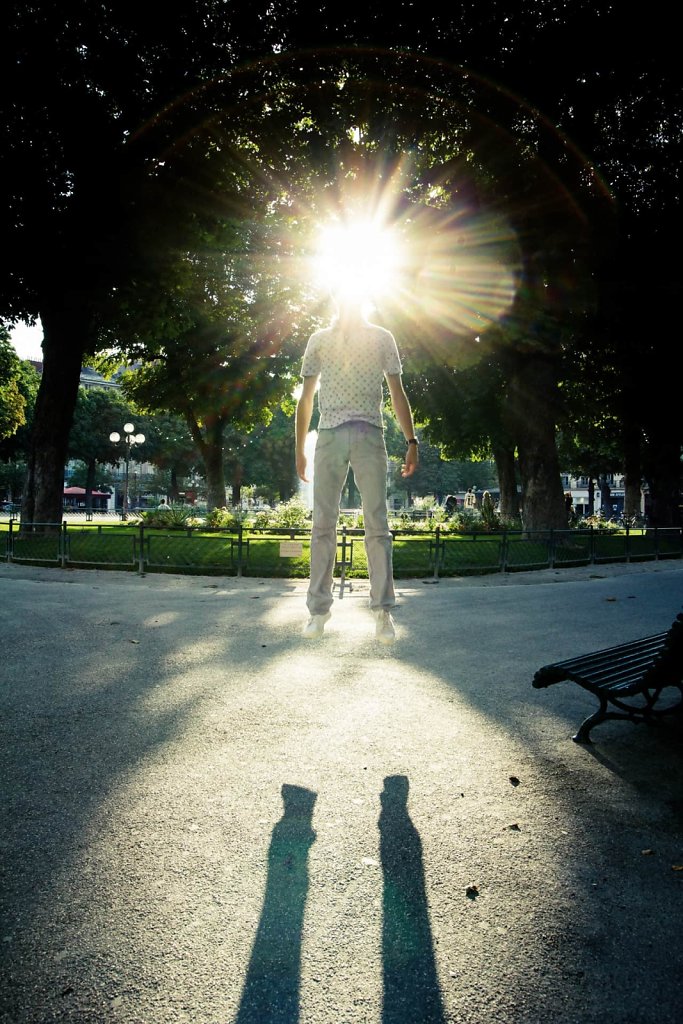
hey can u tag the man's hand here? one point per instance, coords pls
(302, 421)
(412, 461)
(301, 462)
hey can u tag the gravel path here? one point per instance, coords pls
(208, 819)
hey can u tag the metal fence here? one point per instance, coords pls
(286, 553)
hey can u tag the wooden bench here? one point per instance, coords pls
(630, 678)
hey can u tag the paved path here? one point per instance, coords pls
(208, 819)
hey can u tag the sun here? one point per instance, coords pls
(358, 260)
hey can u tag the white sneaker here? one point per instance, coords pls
(384, 626)
(315, 626)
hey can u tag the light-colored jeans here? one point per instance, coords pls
(361, 446)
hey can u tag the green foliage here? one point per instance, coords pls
(224, 518)
(27, 381)
(12, 402)
(98, 413)
(12, 476)
(598, 521)
(261, 521)
(352, 520)
(488, 512)
(468, 520)
(267, 458)
(230, 134)
(80, 477)
(290, 515)
(171, 517)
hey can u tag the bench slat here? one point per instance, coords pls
(638, 669)
(647, 646)
(603, 675)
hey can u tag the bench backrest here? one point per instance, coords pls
(668, 665)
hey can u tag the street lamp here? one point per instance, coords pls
(130, 439)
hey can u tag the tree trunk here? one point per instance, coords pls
(210, 447)
(90, 484)
(174, 489)
(633, 474)
(352, 500)
(605, 496)
(215, 473)
(43, 497)
(237, 477)
(534, 396)
(507, 481)
(664, 478)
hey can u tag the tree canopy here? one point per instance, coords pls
(533, 165)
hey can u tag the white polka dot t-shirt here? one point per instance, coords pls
(352, 365)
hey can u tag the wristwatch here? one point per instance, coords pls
(413, 440)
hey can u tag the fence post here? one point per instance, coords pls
(63, 544)
(141, 551)
(239, 549)
(9, 539)
(437, 549)
(551, 549)
(504, 552)
(343, 559)
(628, 543)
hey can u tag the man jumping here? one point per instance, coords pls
(351, 358)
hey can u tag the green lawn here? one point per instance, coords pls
(260, 554)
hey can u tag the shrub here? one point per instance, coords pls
(352, 520)
(468, 520)
(489, 515)
(171, 517)
(290, 515)
(261, 521)
(598, 522)
(224, 518)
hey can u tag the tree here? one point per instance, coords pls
(14, 448)
(12, 401)
(80, 107)
(267, 457)
(169, 446)
(431, 106)
(218, 356)
(98, 413)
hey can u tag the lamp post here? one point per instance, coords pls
(130, 439)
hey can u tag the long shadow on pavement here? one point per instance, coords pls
(271, 988)
(411, 987)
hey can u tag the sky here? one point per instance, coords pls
(26, 341)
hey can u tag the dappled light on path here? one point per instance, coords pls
(149, 850)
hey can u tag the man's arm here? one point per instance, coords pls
(304, 412)
(404, 415)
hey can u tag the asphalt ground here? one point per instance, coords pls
(208, 819)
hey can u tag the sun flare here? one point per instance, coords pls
(357, 260)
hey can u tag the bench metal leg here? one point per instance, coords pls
(647, 712)
(582, 736)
